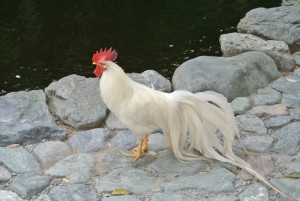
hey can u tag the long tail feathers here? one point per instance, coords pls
(200, 117)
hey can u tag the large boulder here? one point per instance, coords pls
(233, 77)
(290, 2)
(76, 100)
(280, 23)
(235, 43)
(25, 119)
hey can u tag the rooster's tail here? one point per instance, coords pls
(207, 121)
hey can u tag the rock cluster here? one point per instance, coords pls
(64, 145)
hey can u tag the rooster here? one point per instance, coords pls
(177, 114)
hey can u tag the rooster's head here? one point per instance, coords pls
(100, 56)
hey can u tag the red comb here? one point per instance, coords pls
(105, 55)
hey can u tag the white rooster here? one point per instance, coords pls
(178, 114)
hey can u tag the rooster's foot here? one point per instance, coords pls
(140, 150)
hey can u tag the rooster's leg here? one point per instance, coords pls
(140, 150)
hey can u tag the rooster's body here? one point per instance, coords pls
(178, 114)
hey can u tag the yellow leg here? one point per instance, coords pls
(140, 150)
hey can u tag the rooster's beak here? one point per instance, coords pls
(94, 63)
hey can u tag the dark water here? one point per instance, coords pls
(42, 41)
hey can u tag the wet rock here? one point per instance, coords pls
(76, 101)
(278, 121)
(136, 181)
(5, 175)
(288, 138)
(240, 105)
(77, 168)
(259, 144)
(250, 124)
(236, 43)
(18, 160)
(167, 196)
(74, 192)
(266, 96)
(262, 163)
(291, 100)
(153, 80)
(267, 111)
(122, 198)
(233, 77)
(218, 180)
(124, 140)
(51, 152)
(273, 23)
(113, 123)
(25, 119)
(9, 196)
(291, 186)
(256, 192)
(28, 185)
(157, 142)
(288, 84)
(90, 140)
(168, 163)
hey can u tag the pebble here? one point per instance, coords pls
(9, 196)
(157, 142)
(288, 84)
(256, 192)
(51, 152)
(240, 105)
(267, 111)
(77, 168)
(124, 140)
(18, 160)
(266, 96)
(291, 100)
(218, 180)
(290, 186)
(27, 185)
(134, 180)
(167, 196)
(250, 124)
(260, 144)
(278, 121)
(73, 192)
(91, 140)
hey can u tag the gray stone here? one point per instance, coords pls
(290, 163)
(5, 175)
(157, 142)
(43, 197)
(256, 192)
(288, 138)
(290, 2)
(267, 111)
(18, 160)
(77, 168)
(122, 198)
(51, 152)
(250, 124)
(278, 23)
(258, 143)
(76, 101)
(291, 100)
(278, 121)
(221, 198)
(90, 140)
(235, 43)
(136, 181)
(289, 84)
(74, 192)
(153, 80)
(295, 114)
(25, 119)
(297, 71)
(9, 196)
(233, 77)
(125, 140)
(240, 105)
(218, 180)
(113, 123)
(296, 57)
(266, 96)
(167, 196)
(28, 185)
(168, 163)
(290, 186)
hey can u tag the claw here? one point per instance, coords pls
(140, 150)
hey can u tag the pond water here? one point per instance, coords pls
(42, 41)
